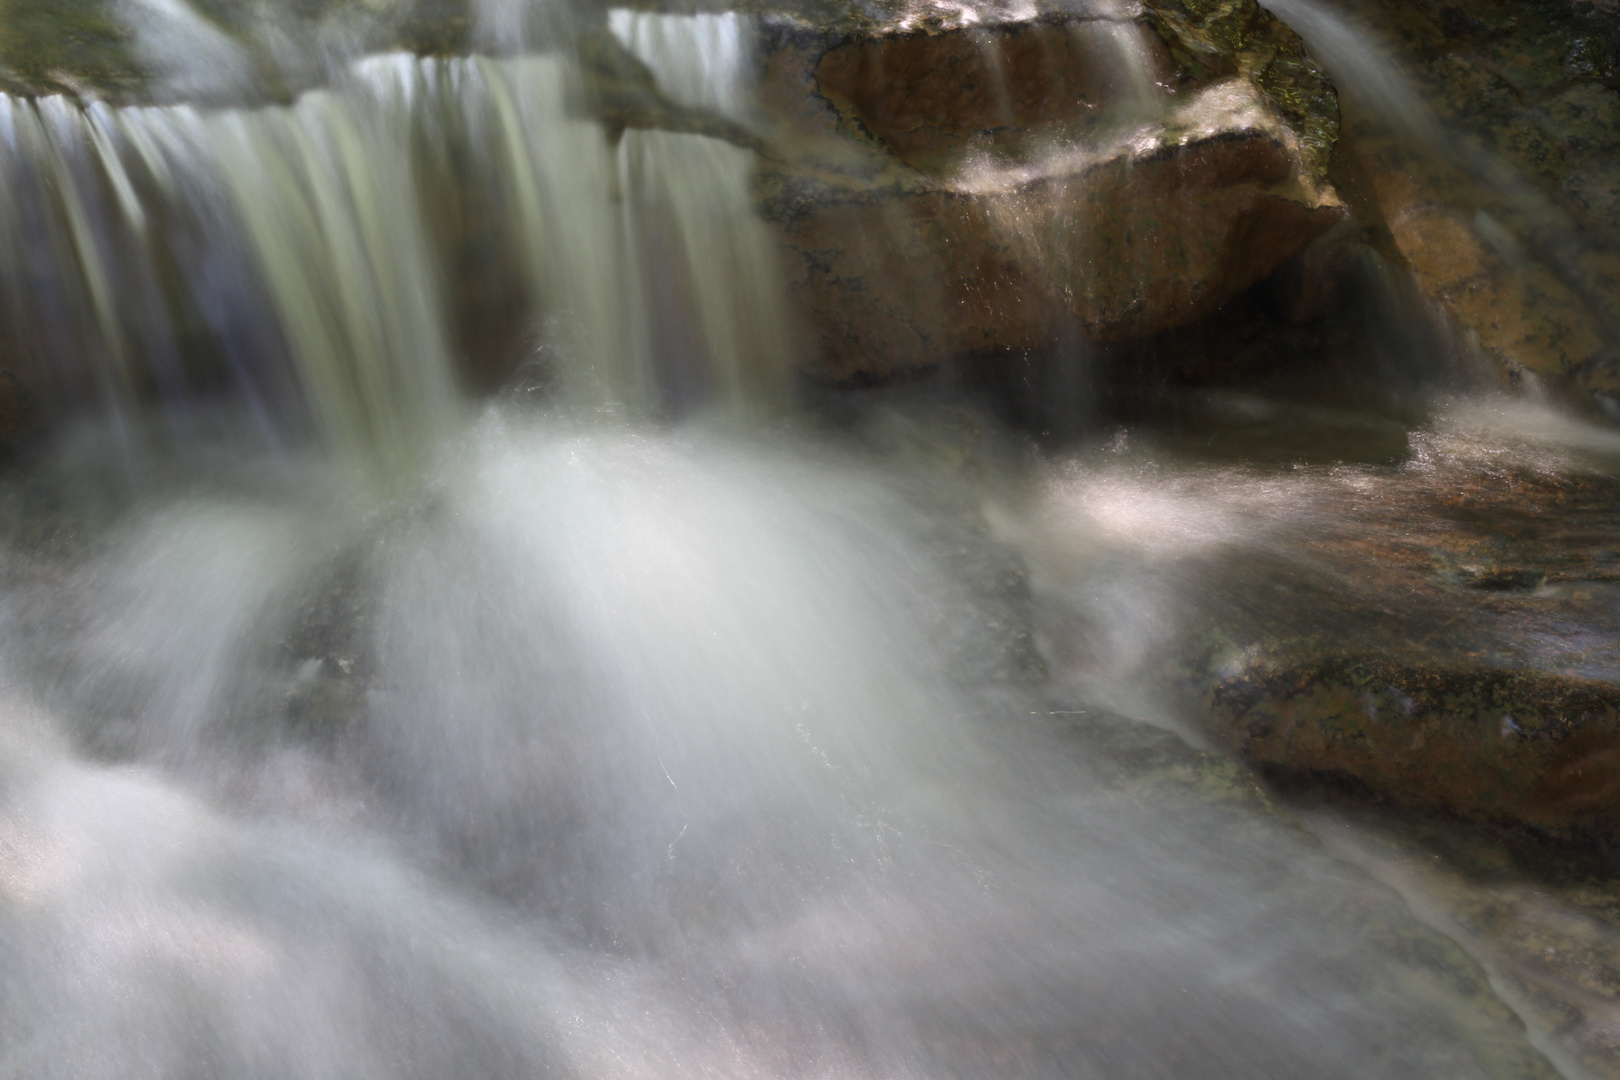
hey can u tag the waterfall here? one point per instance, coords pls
(666, 279)
(703, 60)
(316, 231)
(480, 678)
(326, 200)
(309, 210)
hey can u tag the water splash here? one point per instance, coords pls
(649, 763)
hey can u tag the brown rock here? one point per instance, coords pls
(1503, 203)
(926, 96)
(1522, 315)
(1509, 304)
(984, 190)
(1446, 644)
(1493, 745)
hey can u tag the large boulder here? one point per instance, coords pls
(977, 183)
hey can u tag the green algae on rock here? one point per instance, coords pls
(67, 46)
(1523, 746)
(104, 50)
(1216, 37)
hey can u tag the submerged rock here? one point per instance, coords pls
(1156, 765)
(1494, 745)
(18, 415)
(1448, 645)
(1540, 918)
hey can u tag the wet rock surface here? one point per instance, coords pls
(1444, 638)
(985, 189)
(1495, 184)
(1473, 742)
(1543, 922)
(1415, 653)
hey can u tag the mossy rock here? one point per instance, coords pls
(83, 49)
(1532, 747)
(1213, 38)
(67, 46)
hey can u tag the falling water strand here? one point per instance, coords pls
(54, 149)
(1365, 73)
(660, 283)
(705, 61)
(1141, 91)
(685, 194)
(686, 197)
(318, 197)
(306, 225)
(559, 173)
(335, 224)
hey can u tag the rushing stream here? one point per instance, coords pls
(635, 720)
(616, 751)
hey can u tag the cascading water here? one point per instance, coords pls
(668, 280)
(641, 732)
(312, 225)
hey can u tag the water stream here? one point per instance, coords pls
(634, 720)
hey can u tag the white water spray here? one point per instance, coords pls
(605, 748)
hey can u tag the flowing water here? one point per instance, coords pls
(1528, 220)
(630, 722)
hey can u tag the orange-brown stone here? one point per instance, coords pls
(988, 190)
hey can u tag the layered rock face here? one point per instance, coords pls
(1012, 185)
(1479, 145)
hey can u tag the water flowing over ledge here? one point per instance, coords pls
(164, 249)
(445, 632)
